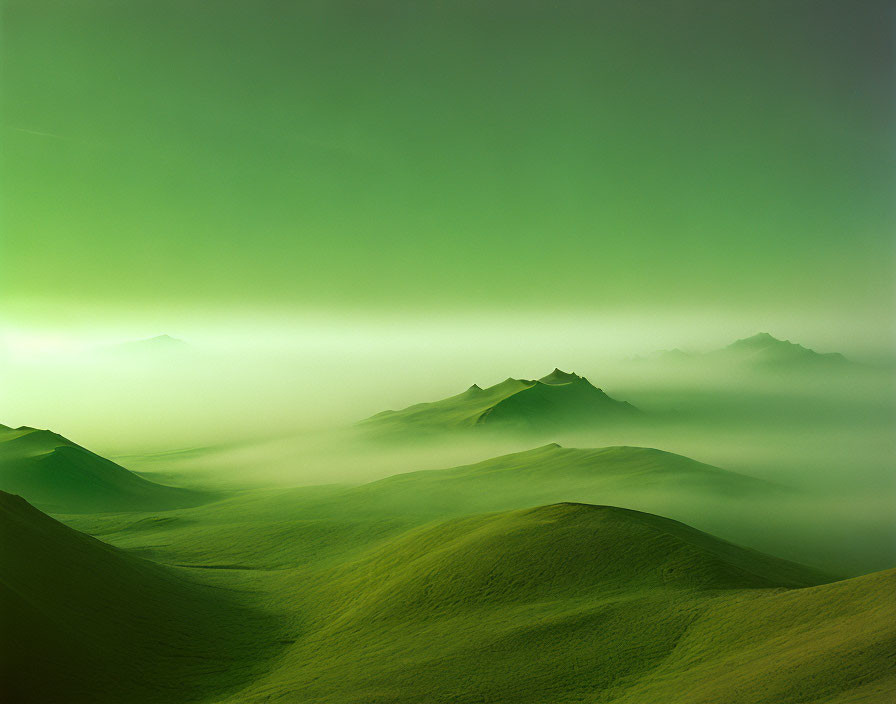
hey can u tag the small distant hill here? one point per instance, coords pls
(766, 351)
(674, 355)
(60, 476)
(556, 401)
(160, 345)
(85, 622)
(158, 341)
(632, 475)
(761, 352)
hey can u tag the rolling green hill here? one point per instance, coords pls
(562, 603)
(570, 603)
(547, 474)
(455, 585)
(558, 400)
(262, 528)
(85, 622)
(59, 476)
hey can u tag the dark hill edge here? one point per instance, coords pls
(60, 476)
(85, 622)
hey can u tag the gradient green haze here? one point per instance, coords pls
(277, 280)
(404, 156)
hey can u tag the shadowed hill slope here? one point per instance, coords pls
(59, 476)
(558, 400)
(85, 622)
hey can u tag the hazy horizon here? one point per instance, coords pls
(348, 209)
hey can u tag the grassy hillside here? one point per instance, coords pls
(84, 622)
(274, 528)
(569, 603)
(831, 643)
(560, 603)
(544, 475)
(59, 476)
(404, 590)
(558, 400)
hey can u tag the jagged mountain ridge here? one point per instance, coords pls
(557, 400)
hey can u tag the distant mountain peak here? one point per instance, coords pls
(159, 345)
(163, 340)
(763, 340)
(760, 339)
(559, 400)
(558, 376)
(769, 350)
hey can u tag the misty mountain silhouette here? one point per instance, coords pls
(62, 477)
(557, 400)
(766, 350)
(761, 351)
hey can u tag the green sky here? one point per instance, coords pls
(457, 155)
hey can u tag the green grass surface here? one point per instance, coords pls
(641, 478)
(572, 603)
(558, 400)
(57, 475)
(437, 586)
(550, 474)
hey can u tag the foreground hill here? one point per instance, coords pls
(570, 603)
(558, 400)
(85, 622)
(561, 603)
(632, 475)
(61, 477)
